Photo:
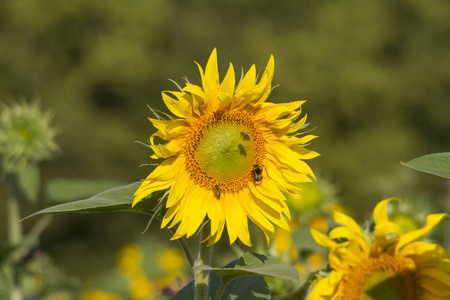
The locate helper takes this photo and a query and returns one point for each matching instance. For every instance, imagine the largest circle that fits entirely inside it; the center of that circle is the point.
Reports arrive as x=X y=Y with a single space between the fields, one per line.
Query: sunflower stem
x=201 y=278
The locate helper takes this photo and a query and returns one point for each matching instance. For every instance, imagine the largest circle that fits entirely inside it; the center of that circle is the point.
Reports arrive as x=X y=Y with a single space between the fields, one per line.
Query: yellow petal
x=254 y=213
x=248 y=82
x=265 y=82
x=171 y=128
x=144 y=191
x=358 y=244
x=288 y=158
x=228 y=82
x=346 y=221
x=215 y=215
x=178 y=188
x=216 y=237
x=234 y=213
x=168 y=216
x=179 y=108
x=435 y=289
x=210 y=81
x=380 y=212
x=244 y=234
x=196 y=208
x=275 y=174
x=386 y=235
x=272 y=111
x=326 y=287
x=432 y=220
x=322 y=239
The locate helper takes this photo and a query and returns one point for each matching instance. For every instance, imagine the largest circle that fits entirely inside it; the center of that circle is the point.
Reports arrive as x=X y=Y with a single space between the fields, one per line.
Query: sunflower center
x=226 y=151
x=385 y=277
x=222 y=150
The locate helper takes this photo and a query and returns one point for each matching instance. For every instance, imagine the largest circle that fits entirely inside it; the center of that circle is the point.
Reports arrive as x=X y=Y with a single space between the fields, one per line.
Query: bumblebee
x=217 y=192
x=257 y=174
x=244 y=136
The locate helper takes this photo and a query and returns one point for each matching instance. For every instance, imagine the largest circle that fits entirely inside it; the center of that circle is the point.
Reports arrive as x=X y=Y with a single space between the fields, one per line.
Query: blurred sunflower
x=389 y=265
x=229 y=155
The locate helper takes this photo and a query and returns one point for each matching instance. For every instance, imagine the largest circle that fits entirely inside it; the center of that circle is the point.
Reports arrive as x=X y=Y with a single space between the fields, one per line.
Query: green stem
x=13 y=212
x=201 y=278
x=14 y=227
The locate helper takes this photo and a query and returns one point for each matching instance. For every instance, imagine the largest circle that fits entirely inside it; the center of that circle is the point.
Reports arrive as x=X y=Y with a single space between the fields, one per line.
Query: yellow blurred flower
x=172 y=260
x=129 y=259
x=142 y=288
x=390 y=265
x=315 y=261
x=318 y=223
x=229 y=155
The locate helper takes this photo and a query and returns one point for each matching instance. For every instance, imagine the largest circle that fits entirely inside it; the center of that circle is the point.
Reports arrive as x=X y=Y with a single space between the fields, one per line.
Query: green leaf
x=436 y=164
x=250 y=264
x=62 y=190
x=117 y=199
x=250 y=287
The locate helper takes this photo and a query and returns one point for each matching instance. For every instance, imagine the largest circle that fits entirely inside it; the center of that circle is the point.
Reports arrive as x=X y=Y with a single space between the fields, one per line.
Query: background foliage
x=376 y=76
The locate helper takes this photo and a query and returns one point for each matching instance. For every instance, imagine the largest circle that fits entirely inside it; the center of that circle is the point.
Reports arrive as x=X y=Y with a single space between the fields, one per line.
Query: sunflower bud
x=25 y=135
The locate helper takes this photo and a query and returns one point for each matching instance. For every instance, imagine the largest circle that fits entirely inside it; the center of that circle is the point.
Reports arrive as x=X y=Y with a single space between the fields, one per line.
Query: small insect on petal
x=244 y=136
x=257 y=174
x=217 y=192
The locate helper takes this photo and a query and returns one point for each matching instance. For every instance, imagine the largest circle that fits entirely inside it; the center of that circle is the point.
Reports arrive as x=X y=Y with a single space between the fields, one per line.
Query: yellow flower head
x=229 y=155
x=391 y=265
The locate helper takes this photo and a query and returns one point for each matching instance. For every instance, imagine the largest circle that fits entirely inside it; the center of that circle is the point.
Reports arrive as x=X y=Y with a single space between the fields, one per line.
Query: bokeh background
x=375 y=74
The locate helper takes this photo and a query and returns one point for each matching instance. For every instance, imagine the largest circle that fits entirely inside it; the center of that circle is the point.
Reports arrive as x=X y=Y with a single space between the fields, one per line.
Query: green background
x=375 y=74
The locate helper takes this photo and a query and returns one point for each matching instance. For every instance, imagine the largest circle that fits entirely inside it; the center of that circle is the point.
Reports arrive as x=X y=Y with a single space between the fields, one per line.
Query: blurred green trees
x=376 y=76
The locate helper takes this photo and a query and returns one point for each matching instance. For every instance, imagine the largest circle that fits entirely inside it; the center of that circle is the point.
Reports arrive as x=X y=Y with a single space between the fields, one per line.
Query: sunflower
x=229 y=156
x=387 y=265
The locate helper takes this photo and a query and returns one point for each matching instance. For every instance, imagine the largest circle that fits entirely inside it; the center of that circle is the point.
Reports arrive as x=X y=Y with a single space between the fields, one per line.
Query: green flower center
x=385 y=285
x=25 y=133
x=227 y=151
